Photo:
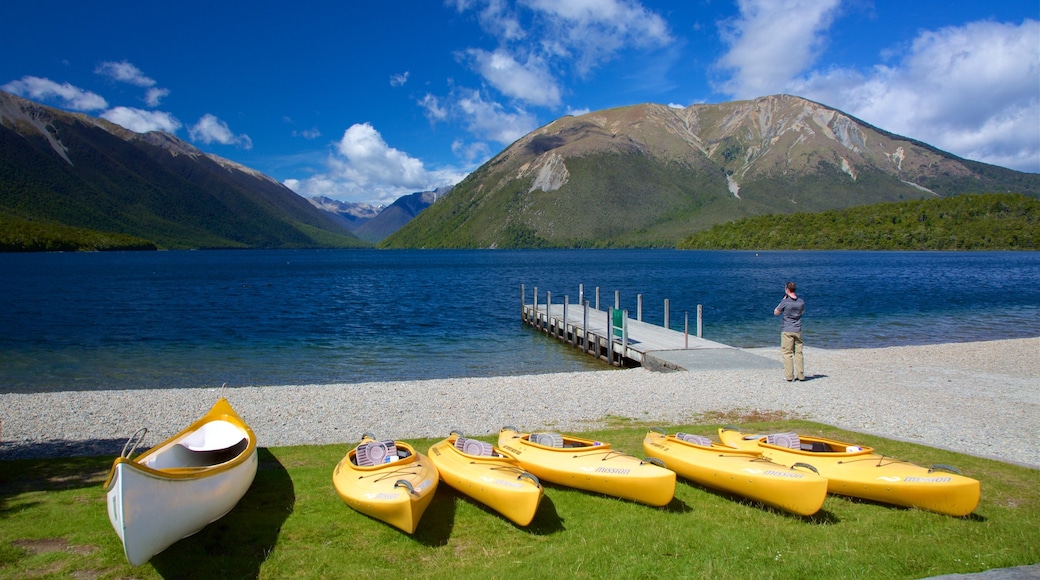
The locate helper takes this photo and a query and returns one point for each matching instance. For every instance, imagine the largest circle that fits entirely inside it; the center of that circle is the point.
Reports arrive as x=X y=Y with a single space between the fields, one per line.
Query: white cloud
x=399 y=79
x=434 y=110
x=312 y=133
x=490 y=120
x=471 y=152
x=124 y=72
x=154 y=96
x=363 y=167
x=71 y=97
x=593 y=31
x=531 y=82
x=141 y=121
x=367 y=159
x=971 y=90
x=210 y=129
x=771 y=42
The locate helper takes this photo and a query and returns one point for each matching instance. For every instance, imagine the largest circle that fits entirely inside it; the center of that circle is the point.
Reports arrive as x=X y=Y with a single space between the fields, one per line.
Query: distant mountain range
x=639 y=176
x=375 y=223
x=70 y=169
x=648 y=175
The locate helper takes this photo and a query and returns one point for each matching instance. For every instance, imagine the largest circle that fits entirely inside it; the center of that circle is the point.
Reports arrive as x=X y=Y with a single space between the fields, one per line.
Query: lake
x=75 y=321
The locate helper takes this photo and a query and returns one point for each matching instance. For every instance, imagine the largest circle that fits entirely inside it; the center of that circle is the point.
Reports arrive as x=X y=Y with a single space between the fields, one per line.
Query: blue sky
x=368 y=101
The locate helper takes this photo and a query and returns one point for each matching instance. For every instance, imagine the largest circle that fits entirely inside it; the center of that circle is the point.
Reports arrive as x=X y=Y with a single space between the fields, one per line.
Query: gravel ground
x=979 y=398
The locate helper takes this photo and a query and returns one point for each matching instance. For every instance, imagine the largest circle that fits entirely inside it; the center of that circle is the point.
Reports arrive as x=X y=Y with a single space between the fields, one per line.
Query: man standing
x=792 y=307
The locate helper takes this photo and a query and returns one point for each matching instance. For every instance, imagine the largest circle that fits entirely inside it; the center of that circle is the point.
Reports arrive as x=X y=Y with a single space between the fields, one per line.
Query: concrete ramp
x=707 y=359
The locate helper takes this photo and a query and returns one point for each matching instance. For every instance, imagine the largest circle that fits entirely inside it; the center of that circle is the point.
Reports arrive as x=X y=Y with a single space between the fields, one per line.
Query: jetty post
x=611 y=343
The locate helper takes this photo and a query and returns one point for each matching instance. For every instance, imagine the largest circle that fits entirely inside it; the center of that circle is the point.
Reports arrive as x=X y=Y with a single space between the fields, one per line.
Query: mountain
x=648 y=175
x=350 y=215
x=397 y=214
x=77 y=171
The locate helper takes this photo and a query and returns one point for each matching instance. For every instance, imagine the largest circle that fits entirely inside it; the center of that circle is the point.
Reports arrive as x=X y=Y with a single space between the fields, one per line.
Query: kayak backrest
x=789 y=440
x=474 y=447
x=547 y=439
x=695 y=439
x=375 y=453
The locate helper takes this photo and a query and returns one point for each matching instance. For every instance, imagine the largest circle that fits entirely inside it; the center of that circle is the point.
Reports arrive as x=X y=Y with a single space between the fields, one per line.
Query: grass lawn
x=291 y=523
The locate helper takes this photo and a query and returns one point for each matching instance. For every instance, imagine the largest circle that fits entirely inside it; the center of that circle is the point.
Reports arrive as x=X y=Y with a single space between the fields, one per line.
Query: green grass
x=291 y=523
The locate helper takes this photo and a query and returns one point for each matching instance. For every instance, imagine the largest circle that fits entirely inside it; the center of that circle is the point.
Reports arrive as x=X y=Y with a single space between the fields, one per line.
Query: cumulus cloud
x=970 y=90
x=124 y=72
x=771 y=42
x=141 y=121
x=530 y=81
x=210 y=129
x=363 y=167
x=398 y=79
x=70 y=97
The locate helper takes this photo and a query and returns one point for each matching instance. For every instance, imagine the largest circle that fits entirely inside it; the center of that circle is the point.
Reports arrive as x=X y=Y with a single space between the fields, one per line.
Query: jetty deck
x=639 y=343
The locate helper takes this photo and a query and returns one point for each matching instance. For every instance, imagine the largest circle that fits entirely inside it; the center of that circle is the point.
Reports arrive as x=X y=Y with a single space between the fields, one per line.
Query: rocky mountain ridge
x=647 y=175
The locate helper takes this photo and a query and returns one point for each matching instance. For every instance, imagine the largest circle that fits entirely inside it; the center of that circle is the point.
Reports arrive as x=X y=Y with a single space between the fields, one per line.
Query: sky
x=369 y=101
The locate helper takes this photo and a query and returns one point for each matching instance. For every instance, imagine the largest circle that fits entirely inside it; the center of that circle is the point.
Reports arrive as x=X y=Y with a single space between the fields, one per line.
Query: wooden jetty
x=611 y=335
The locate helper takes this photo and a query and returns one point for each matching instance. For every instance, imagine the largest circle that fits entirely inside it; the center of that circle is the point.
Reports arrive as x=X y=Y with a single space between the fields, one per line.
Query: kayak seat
x=789 y=440
x=695 y=439
x=547 y=439
x=375 y=453
x=474 y=447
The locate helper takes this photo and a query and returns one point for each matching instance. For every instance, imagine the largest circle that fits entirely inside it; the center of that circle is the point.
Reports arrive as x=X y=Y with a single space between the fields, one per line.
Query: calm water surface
x=178 y=319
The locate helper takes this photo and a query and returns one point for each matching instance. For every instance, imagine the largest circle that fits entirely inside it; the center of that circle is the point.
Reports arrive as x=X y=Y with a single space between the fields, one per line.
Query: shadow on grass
x=437 y=522
x=236 y=545
x=821 y=517
x=28 y=475
x=60 y=448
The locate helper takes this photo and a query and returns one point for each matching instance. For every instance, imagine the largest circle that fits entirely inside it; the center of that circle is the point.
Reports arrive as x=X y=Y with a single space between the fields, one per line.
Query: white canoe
x=174 y=489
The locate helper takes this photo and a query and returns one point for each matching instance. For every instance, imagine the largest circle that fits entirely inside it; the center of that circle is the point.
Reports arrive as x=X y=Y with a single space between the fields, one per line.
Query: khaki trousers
x=791 y=348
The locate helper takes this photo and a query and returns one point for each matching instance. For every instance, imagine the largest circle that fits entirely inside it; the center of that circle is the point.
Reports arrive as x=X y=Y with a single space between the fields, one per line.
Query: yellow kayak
x=858 y=471
x=387 y=480
x=589 y=465
x=796 y=489
x=488 y=475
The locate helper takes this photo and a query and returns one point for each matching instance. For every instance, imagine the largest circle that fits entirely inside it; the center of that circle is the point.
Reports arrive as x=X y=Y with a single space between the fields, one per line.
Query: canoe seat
x=789 y=440
x=695 y=439
x=547 y=439
x=474 y=447
x=178 y=456
x=375 y=453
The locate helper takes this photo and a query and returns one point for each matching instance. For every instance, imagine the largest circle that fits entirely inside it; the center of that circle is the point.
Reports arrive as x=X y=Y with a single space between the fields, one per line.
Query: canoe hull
x=153 y=501
x=864 y=474
x=497 y=482
x=744 y=473
x=379 y=491
x=593 y=466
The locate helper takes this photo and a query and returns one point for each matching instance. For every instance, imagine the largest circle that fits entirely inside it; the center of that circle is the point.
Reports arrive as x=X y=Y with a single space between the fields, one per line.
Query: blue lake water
x=185 y=319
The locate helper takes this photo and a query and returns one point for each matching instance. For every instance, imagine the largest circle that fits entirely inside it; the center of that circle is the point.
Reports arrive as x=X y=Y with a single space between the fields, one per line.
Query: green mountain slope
x=964 y=222
x=648 y=175
x=85 y=173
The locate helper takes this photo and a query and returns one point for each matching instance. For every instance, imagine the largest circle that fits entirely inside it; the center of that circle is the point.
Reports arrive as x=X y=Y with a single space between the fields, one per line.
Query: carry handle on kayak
x=806 y=465
x=128 y=449
x=405 y=484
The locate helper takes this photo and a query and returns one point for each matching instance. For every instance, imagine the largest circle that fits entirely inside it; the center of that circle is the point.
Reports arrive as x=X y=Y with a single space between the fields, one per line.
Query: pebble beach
x=980 y=398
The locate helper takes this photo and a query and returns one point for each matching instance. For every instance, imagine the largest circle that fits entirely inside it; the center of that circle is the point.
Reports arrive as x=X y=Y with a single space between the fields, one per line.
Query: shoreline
x=979 y=398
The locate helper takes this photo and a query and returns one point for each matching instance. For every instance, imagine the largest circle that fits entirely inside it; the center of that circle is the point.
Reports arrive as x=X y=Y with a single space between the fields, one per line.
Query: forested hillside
x=962 y=222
